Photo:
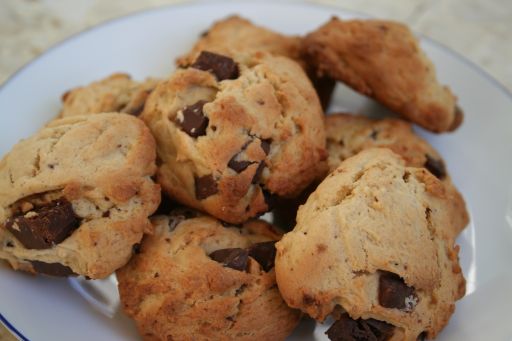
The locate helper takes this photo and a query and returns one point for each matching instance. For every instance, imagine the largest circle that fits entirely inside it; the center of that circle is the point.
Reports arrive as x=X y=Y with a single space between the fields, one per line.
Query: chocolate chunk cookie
x=235 y=35
x=348 y=134
x=383 y=60
x=76 y=196
x=116 y=93
x=234 y=133
x=370 y=248
x=198 y=279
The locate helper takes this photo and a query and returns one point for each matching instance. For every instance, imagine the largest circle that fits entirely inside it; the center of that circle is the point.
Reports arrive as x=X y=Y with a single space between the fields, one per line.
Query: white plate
x=478 y=154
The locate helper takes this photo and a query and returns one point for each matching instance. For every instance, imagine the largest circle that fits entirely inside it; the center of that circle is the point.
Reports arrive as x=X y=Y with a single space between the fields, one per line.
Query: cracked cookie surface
x=76 y=196
x=229 y=141
x=115 y=93
x=371 y=242
x=349 y=134
x=198 y=279
x=382 y=59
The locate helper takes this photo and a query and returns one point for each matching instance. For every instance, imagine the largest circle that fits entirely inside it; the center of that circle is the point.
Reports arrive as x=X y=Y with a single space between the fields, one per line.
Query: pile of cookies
x=162 y=182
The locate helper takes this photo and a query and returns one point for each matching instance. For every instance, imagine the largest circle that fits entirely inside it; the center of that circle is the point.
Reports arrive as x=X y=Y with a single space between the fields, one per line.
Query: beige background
x=478 y=29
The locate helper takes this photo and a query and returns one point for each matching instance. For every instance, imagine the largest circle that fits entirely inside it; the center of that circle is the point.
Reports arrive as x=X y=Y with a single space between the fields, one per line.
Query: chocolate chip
x=257 y=174
x=205 y=186
x=221 y=66
x=264 y=253
x=394 y=293
x=194 y=122
x=436 y=167
x=238 y=166
x=265 y=145
x=52 y=269
x=234 y=258
x=347 y=329
x=44 y=226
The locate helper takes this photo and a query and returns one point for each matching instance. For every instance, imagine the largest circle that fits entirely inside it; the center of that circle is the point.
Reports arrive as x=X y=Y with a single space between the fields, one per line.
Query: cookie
x=371 y=249
x=233 y=134
x=383 y=60
x=235 y=35
x=196 y=278
x=76 y=196
x=116 y=93
x=348 y=134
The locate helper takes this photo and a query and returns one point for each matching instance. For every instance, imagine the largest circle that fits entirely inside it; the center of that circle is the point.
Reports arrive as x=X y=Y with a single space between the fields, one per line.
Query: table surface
x=477 y=29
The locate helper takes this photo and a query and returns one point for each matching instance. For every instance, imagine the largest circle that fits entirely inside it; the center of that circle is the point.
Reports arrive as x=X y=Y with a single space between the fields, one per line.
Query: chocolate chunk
x=221 y=66
x=205 y=186
x=436 y=167
x=44 y=226
x=52 y=269
x=194 y=122
x=234 y=258
x=257 y=174
x=265 y=145
x=264 y=253
x=394 y=293
x=238 y=166
x=347 y=329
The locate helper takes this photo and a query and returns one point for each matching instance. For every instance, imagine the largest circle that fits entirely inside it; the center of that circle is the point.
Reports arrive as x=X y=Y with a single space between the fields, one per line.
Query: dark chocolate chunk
x=347 y=329
x=205 y=186
x=436 y=167
x=264 y=253
x=194 y=122
x=238 y=166
x=221 y=66
x=265 y=145
x=394 y=293
x=44 y=226
x=234 y=258
x=257 y=174
x=52 y=269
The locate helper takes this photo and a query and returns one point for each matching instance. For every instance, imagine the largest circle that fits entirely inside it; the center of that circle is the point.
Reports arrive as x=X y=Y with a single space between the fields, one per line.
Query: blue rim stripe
x=12 y=329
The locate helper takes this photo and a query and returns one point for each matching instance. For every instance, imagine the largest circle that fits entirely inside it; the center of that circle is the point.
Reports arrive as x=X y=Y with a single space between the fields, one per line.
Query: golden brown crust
x=175 y=291
x=235 y=35
x=383 y=60
x=373 y=214
x=102 y=164
x=271 y=102
x=115 y=93
x=349 y=134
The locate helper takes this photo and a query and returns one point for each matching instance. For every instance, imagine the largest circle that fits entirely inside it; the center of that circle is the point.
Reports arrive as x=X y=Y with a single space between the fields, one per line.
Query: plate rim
x=497 y=84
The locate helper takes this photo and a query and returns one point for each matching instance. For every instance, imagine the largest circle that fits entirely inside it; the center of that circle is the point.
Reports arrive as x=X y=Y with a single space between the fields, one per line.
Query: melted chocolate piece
x=264 y=253
x=265 y=145
x=194 y=122
x=44 y=226
x=234 y=258
x=257 y=174
x=52 y=269
x=393 y=292
x=221 y=66
x=205 y=186
x=347 y=329
x=436 y=167
x=238 y=166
